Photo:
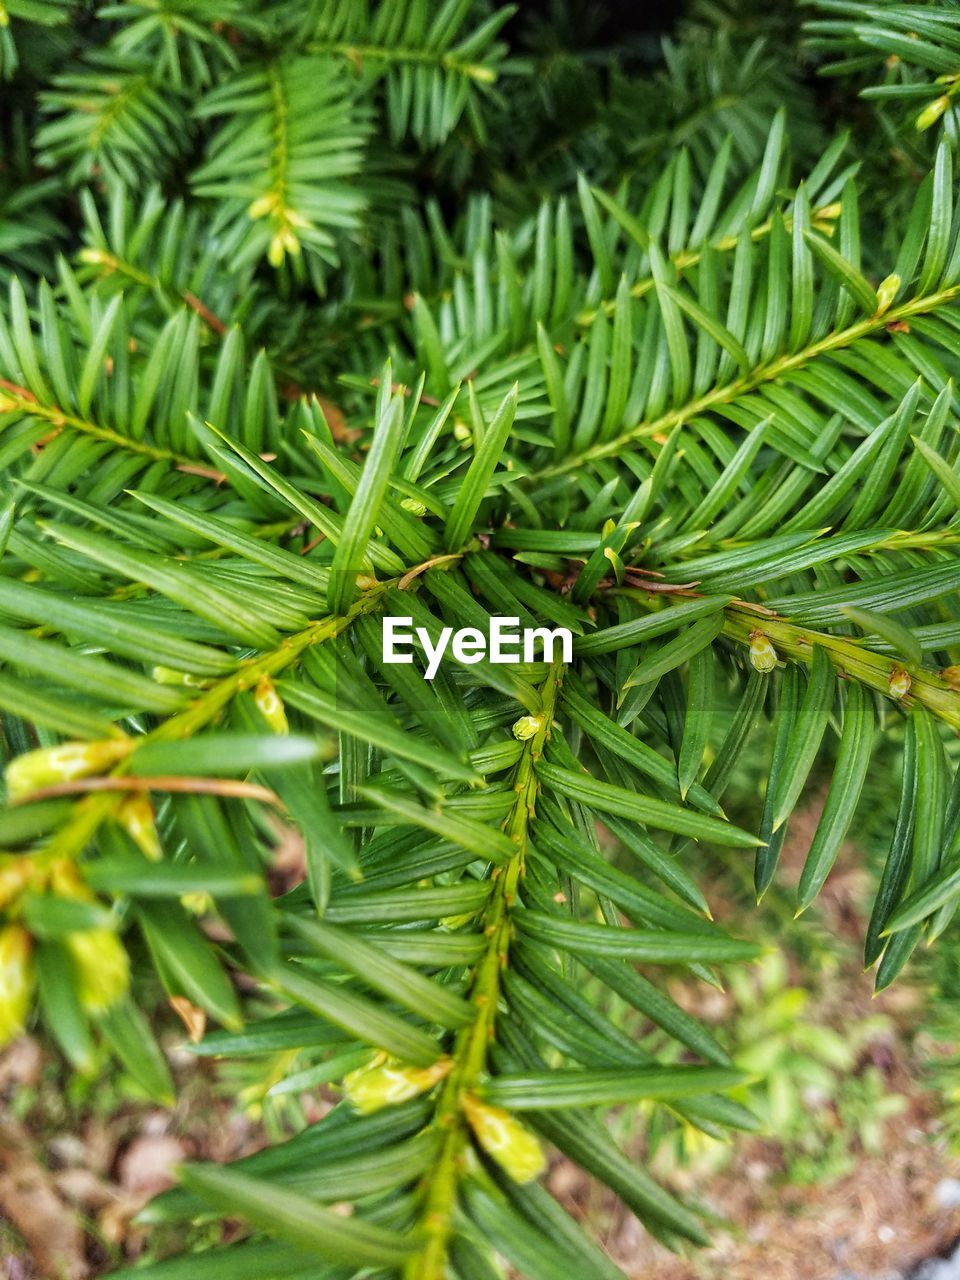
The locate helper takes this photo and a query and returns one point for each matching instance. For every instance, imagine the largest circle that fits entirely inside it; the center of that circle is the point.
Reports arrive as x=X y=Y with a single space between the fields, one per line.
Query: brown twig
x=636 y=582
x=204 y=312
x=18 y=391
x=230 y=787
x=422 y=568
x=666 y=588
x=207 y=473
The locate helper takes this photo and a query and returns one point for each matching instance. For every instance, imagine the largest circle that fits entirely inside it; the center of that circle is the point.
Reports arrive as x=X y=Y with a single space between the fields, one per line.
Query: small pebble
x=947 y=1193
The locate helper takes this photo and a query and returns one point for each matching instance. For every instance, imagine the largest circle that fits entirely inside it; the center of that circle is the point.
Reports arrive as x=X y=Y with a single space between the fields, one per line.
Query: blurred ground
x=67 y=1195
x=76 y=1164
x=878 y=1223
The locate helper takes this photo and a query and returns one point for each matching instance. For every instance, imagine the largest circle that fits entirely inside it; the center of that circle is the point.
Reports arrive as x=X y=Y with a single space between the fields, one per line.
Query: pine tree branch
x=822 y=219
x=73 y=837
x=110 y=263
x=852 y=660
x=20 y=400
x=357 y=54
x=758 y=377
x=470 y=1051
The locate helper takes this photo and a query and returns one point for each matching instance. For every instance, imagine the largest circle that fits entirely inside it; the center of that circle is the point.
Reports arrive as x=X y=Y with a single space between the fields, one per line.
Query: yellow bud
x=365 y=582
x=95 y=257
x=290 y=242
x=65 y=880
x=270 y=705
x=16 y=872
x=952 y=676
x=477 y=71
x=50 y=765
x=462 y=432
x=16 y=980
x=262 y=206
x=886 y=292
x=515 y=1149
x=384 y=1082
x=932 y=112
x=414 y=506
x=763 y=656
x=276 y=252
x=135 y=815
x=899 y=682
x=103 y=971
x=527 y=727
x=198 y=902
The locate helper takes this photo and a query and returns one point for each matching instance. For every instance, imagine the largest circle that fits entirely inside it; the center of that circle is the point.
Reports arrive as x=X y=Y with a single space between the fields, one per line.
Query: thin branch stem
x=852 y=660
x=19 y=398
x=71 y=839
x=355 y=54
x=470 y=1050
x=232 y=787
x=757 y=377
x=111 y=262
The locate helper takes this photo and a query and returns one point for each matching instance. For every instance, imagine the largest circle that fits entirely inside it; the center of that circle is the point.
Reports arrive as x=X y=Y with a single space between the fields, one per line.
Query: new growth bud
x=135 y=815
x=16 y=980
x=263 y=205
x=170 y=675
x=385 y=1082
x=270 y=705
x=282 y=243
x=198 y=902
x=932 y=112
x=763 y=656
x=102 y=968
x=95 y=257
x=100 y=962
x=886 y=292
x=16 y=873
x=527 y=727
x=899 y=683
x=515 y=1149
x=50 y=765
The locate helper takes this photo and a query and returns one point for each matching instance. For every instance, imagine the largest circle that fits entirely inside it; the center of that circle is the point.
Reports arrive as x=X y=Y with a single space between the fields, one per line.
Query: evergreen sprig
x=701 y=413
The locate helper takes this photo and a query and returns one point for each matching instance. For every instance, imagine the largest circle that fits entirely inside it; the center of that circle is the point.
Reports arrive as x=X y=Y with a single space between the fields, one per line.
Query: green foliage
x=28 y=20
x=306 y=362
x=810 y=1088
x=915 y=48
